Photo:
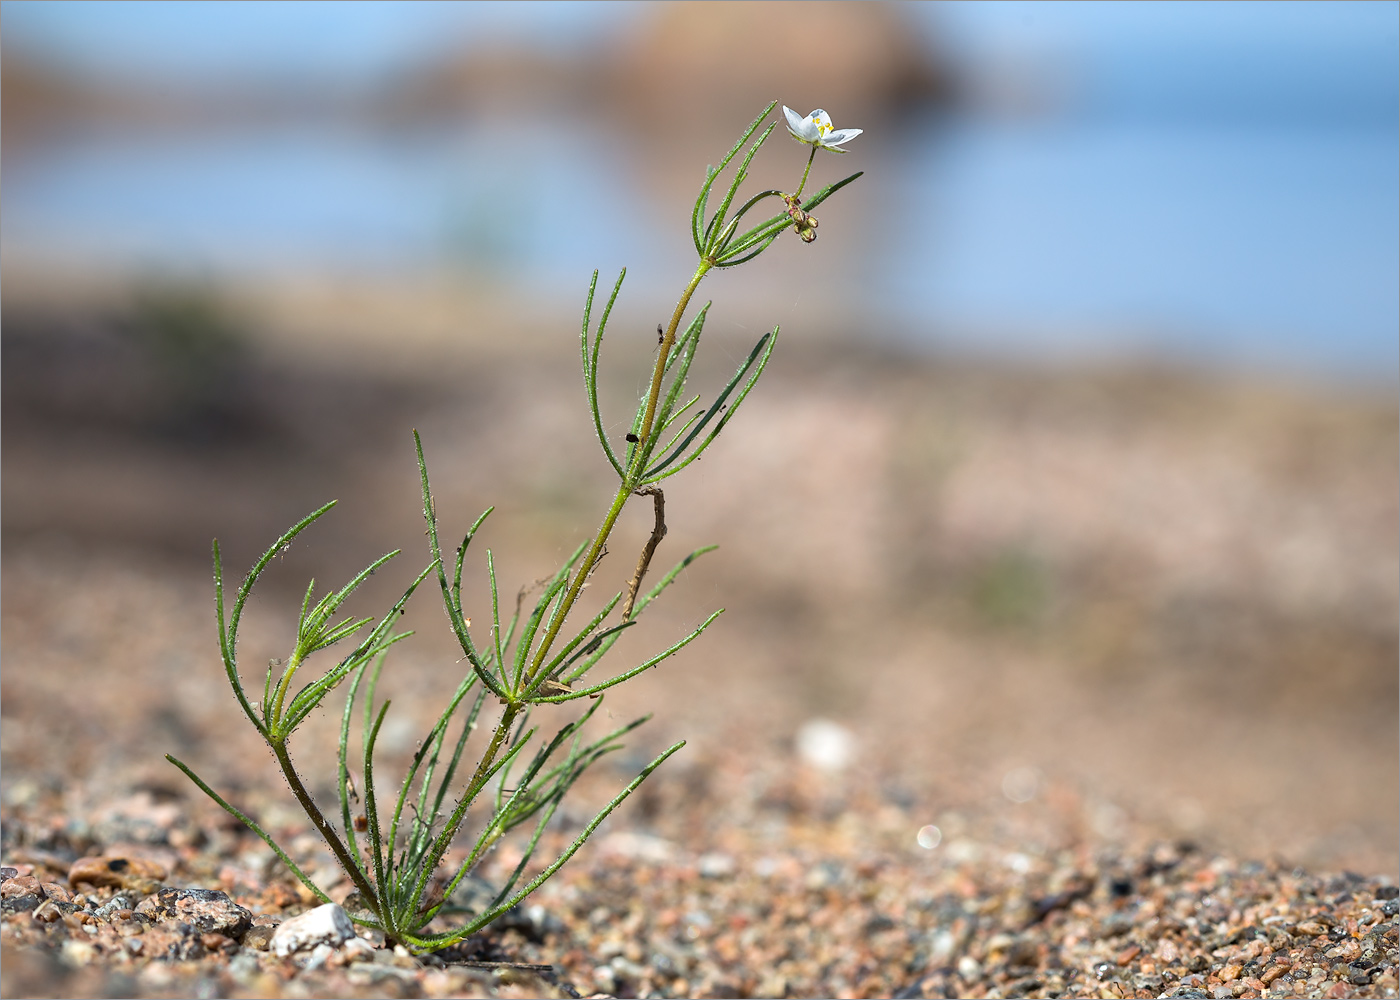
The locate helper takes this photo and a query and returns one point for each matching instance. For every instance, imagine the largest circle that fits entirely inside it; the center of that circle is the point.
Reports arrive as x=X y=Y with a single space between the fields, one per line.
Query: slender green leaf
x=449 y=831
x=436 y=941
x=590 y=364
x=715 y=241
x=226 y=650
x=277 y=547
x=758 y=352
x=768 y=230
x=376 y=833
x=454 y=610
x=252 y=825
x=728 y=415
x=697 y=216
x=598 y=640
x=552 y=667
x=628 y=675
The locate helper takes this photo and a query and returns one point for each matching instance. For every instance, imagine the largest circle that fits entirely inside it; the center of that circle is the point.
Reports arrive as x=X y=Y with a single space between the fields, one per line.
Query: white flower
x=816 y=130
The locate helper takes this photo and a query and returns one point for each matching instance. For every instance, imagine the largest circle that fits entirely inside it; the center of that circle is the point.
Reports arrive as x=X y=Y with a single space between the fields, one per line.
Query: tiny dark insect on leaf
x=632 y=438
x=660 y=335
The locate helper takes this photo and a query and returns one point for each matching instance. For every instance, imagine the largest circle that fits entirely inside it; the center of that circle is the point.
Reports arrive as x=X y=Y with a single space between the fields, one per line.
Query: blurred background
x=1077 y=461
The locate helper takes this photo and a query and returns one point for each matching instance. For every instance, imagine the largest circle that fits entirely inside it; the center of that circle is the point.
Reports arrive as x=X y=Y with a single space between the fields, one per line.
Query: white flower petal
x=839 y=135
x=821 y=120
x=800 y=127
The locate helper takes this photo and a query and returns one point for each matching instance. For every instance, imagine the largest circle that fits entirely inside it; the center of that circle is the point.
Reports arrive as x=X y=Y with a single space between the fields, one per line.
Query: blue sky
x=220 y=37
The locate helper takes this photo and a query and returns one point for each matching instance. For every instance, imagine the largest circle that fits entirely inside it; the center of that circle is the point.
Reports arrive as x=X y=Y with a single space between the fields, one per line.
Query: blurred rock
x=709 y=65
x=120 y=873
x=713 y=64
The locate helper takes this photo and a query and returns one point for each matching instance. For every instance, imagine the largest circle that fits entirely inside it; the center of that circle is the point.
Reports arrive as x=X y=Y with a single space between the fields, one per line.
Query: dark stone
x=1390 y=907
x=1388 y=892
x=1247 y=933
x=1079 y=889
x=879 y=922
x=20 y=904
x=1022 y=987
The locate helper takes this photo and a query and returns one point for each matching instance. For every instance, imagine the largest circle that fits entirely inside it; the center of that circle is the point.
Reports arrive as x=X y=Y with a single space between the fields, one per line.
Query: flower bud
x=803 y=225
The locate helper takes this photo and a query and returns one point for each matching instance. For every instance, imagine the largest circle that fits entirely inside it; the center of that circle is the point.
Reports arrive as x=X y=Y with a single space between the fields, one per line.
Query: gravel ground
x=1089 y=689
x=786 y=888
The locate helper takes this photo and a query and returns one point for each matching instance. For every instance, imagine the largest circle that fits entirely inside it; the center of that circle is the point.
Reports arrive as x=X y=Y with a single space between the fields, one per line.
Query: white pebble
x=715 y=865
x=827 y=745
x=327 y=924
x=318 y=957
x=357 y=949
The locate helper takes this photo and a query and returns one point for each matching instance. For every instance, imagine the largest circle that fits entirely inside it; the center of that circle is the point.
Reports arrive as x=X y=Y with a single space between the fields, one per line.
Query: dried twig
x=657 y=533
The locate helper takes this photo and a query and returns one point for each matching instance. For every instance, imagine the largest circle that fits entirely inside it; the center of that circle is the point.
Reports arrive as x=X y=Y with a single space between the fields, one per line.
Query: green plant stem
x=810 y=157
x=489 y=757
x=292 y=664
x=630 y=480
x=667 y=342
x=323 y=826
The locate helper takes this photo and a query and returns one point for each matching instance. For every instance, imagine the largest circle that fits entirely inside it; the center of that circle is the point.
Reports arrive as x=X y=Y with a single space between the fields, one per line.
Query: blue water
x=1270 y=247
x=1275 y=246
x=297 y=196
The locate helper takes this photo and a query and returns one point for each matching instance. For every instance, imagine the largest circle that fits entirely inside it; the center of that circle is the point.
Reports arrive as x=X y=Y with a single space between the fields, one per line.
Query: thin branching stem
x=323 y=826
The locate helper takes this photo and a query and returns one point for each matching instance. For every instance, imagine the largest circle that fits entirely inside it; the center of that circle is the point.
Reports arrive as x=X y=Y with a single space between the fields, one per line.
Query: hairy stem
x=323 y=826
x=489 y=757
x=665 y=352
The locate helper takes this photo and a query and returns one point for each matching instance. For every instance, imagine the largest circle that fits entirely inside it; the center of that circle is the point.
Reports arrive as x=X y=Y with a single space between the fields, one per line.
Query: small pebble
x=328 y=924
x=118 y=873
x=206 y=910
